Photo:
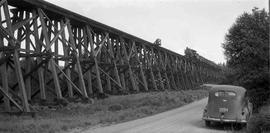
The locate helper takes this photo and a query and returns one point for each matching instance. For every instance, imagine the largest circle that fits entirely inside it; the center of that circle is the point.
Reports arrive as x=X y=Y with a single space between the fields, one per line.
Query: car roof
x=237 y=89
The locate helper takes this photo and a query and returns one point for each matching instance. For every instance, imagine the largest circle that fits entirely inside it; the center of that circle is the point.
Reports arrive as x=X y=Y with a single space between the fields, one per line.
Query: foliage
x=247 y=52
x=192 y=54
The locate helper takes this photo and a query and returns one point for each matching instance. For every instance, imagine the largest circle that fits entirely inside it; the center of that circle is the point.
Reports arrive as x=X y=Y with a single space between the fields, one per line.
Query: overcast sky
x=198 y=24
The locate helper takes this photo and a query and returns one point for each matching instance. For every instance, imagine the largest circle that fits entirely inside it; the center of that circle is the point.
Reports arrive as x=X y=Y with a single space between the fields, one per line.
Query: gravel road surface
x=186 y=119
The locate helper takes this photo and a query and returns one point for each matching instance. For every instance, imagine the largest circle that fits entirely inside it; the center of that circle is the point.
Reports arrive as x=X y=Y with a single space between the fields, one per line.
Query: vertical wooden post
x=49 y=28
x=178 y=82
x=177 y=74
x=28 y=59
x=107 y=60
x=184 y=73
x=79 y=37
x=145 y=85
x=96 y=68
x=4 y=74
x=199 y=73
x=173 y=80
x=70 y=89
x=187 y=74
x=161 y=79
x=109 y=87
x=182 y=76
x=16 y=60
x=119 y=57
x=165 y=72
x=66 y=54
x=115 y=70
x=190 y=75
x=122 y=77
x=56 y=43
x=143 y=78
x=89 y=72
x=193 y=74
x=198 y=68
x=175 y=69
x=131 y=74
x=19 y=16
x=159 y=71
x=39 y=59
x=89 y=81
x=116 y=73
x=150 y=68
x=78 y=64
x=196 y=76
x=51 y=62
x=171 y=73
x=98 y=76
x=100 y=88
x=167 y=80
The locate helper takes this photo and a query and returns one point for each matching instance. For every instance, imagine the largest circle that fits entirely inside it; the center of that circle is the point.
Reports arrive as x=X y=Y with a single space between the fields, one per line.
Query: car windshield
x=225 y=94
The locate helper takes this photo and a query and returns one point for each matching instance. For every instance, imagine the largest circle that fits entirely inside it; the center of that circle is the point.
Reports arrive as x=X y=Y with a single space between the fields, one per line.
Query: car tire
x=243 y=125
x=208 y=123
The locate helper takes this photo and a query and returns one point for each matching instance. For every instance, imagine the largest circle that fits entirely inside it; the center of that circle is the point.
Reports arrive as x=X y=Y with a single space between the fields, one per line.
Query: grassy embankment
x=259 y=122
x=114 y=109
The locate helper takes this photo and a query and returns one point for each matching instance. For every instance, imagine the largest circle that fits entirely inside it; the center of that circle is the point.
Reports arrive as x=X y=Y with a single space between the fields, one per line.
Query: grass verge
x=114 y=109
x=260 y=122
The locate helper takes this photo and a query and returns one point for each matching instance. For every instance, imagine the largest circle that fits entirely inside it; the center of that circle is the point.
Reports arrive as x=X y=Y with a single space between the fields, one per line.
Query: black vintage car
x=227 y=104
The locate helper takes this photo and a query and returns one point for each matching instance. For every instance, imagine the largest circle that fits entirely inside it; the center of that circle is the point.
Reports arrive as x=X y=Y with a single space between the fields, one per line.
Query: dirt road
x=186 y=119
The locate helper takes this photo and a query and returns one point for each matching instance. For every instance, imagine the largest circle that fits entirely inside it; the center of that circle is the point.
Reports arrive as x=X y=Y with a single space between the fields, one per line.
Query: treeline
x=247 y=52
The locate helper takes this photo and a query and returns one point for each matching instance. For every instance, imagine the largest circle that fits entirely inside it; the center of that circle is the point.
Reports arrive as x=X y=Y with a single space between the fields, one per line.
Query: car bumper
x=223 y=120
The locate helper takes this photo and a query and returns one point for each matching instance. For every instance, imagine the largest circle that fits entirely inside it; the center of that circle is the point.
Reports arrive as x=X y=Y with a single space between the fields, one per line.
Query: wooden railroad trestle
x=48 y=52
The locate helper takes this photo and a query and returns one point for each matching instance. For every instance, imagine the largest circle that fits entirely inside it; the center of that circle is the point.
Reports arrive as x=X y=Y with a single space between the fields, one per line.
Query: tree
x=247 y=52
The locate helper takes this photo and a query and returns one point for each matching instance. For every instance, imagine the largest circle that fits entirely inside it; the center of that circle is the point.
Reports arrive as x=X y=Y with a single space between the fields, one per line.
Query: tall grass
x=260 y=122
x=114 y=109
